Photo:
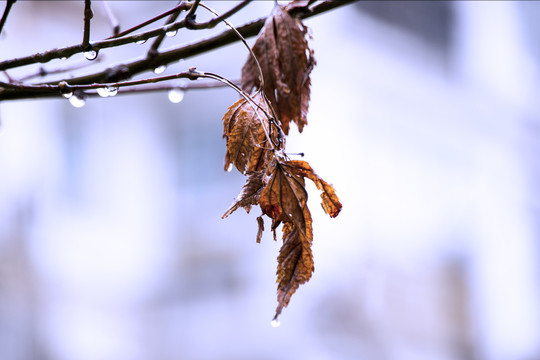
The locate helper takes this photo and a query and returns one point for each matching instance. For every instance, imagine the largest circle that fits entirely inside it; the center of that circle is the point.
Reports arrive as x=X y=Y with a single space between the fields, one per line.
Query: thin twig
x=158 y=40
x=7 y=9
x=213 y=22
x=115 y=24
x=63 y=86
x=243 y=40
x=190 y=17
x=74 y=49
x=181 y=7
x=88 y=15
x=10 y=79
x=159 y=88
x=44 y=72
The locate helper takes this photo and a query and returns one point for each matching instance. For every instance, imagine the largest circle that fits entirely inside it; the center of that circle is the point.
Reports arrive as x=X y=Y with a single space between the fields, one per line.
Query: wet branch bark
x=131 y=68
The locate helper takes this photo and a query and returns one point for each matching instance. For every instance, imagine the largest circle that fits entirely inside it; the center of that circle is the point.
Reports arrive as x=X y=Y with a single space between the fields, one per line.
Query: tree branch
x=192 y=24
x=137 y=66
x=88 y=15
x=180 y=7
x=158 y=40
x=7 y=9
x=112 y=18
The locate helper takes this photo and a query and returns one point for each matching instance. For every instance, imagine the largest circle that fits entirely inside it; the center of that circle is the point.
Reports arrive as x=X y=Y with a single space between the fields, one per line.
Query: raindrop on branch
x=77 y=100
x=90 y=54
x=112 y=90
x=160 y=69
x=140 y=42
x=229 y=169
x=67 y=94
x=176 y=95
x=102 y=92
x=107 y=91
x=171 y=33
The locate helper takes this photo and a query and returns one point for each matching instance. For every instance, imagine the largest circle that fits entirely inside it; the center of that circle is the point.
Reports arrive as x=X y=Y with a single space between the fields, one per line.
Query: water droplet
x=229 y=169
x=102 y=92
x=176 y=95
x=67 y=94
x=63 y=58
x=275 y=323
x=112 y=91
x=171 y=33
x=107 y=91
x=160 y=69
x=77 y=101
x=90 y=54
x=140 y=42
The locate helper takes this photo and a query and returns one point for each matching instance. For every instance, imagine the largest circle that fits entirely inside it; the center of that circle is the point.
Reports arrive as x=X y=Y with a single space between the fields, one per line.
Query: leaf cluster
x=277 y=79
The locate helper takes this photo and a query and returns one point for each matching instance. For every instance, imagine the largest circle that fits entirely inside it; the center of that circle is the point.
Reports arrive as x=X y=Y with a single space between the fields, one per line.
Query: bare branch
x=158 y=40
x=160 y=88
x=141 y=65
x=45 y=72
x=190 y=17
x=74 y=49
x=7 y=9
x=48 y=90
x=181 y=7
x=112 y=18
x=88 y=15
x=191 y=24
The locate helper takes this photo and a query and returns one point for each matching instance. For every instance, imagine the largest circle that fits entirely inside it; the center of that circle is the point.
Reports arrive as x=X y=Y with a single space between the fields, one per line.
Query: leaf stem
x=241 y=39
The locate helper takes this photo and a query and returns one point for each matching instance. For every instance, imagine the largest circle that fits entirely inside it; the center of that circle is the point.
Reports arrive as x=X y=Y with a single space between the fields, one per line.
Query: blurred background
x=425 y=118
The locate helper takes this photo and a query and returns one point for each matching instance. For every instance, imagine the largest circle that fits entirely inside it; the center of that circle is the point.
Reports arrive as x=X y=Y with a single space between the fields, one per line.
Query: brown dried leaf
x=286 y=62
x=295 y=260
x=244 y=129
x=249 y=195
x=284 y=197
x=260 y=223
x=330 y=202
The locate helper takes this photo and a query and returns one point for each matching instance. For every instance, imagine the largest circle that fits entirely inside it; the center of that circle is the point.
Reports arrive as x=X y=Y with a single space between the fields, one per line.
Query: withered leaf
x=249 y=195
x=295 y=260
x=286 y=62
x=260 y=223
x=330 y=202
x=245 y=127
x=284 y=197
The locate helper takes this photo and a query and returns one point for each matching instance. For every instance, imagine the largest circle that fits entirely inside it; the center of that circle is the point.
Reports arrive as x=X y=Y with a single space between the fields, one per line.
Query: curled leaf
x=249 y=195
x=295 y=260
x=286 y=62
x=246 y=128
x=330 y=202
x=284 y=197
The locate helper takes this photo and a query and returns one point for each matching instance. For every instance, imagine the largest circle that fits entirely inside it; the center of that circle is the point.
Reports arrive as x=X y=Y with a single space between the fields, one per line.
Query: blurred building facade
x=423 y=116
